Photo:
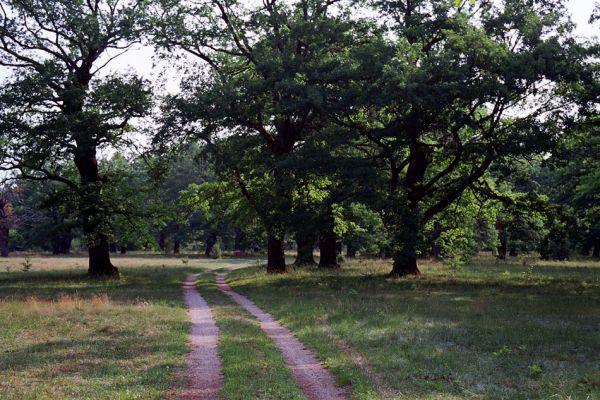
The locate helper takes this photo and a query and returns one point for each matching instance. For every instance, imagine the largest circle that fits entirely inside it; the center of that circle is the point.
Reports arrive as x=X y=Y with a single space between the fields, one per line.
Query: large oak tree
x=55 y=107
x=471 y=83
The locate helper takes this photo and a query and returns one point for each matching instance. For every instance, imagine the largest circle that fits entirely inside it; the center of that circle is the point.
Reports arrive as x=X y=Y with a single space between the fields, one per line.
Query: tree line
x=398 y=128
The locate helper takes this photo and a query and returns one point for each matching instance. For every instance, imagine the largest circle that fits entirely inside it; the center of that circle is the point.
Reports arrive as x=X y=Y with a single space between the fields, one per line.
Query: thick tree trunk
x=96 y=226
x=3 y=241
x=405 y=264
x=211 y=240
x=123 y=249
x=502 y=245
x=408 y=229
x=99 y=259
x=305 y=244
x=275 y=255
x=328 y=244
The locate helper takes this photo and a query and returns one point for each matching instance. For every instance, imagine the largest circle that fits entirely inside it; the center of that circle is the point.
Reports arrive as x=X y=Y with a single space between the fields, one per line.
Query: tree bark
x=211 y=240
x=305 y=244
x=406 y=242
x=405 y=263
x=61 y=242
x=96 y=226
x=176 y=246
x=3 y=241
x=161 y=241
x=239 y=239
x=328 y=244
x=502 y=245
x=434 y=235
x=596 y=249
x=350 y=251
x=275 y=255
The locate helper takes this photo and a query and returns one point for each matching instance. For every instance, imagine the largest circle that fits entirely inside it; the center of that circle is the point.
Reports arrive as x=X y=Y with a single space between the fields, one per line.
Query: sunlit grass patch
x=487 y=330
x=64 y=335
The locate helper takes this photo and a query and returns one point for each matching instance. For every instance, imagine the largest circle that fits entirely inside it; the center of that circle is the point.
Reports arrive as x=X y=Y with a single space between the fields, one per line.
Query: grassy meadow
x=491 y=330
x=66 y=336
x=521 y=329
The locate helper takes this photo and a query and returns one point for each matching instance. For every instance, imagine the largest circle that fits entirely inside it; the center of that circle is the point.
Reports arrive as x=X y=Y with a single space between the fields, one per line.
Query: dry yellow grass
x=79 y=262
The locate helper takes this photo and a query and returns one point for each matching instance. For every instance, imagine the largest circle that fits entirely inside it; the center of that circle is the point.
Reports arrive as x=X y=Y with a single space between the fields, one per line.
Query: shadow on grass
x=474 y=333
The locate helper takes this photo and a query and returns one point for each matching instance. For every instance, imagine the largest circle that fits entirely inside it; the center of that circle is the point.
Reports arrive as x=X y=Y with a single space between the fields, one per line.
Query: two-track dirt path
x=315 y=382
x=204 y=365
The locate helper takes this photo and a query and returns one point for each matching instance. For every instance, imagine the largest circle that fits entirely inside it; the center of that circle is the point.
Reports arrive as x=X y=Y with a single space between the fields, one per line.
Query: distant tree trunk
x=123 y=249
x=328 y=243
x=596 y=252
x=513 y=252
x=502 y=246
x=176 y=246
x=3 y=240
x=239 y=239
x=211 y=240
x=350 y=251
x=113 y=247
x=305 y=244
x=436 y=232
x=161 y=241
x=275 y=254
x=61 y=242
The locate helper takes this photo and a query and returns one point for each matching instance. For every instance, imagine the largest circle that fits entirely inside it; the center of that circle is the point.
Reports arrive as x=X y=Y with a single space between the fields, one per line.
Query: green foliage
x=216 y=252
x=365 y=230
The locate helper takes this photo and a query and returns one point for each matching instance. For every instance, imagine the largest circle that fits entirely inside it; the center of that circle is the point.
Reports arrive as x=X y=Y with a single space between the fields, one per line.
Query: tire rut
x=205 y=380
x=315 y=382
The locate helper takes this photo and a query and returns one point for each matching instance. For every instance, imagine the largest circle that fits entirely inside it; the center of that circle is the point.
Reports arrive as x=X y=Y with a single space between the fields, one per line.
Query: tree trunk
x=596 y=250
x=513 y=252
x=436 y=232
x=275 y=255
x=61 y=242
x=305 y=244
x=113 y=247
x=96 y=226
x=502 y=245
x=123 y=249
x=239 y=240
x=405 y=264
x=211 y=240
x=161 y=241
x=350 y=251
x=328 y=244
x=406 y=241
x=3 y=241
x=176 y=246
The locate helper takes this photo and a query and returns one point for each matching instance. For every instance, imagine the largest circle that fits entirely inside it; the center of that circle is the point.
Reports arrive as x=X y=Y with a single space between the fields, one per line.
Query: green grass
x=252 y=366
x=487 y=331
x=66 y=336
